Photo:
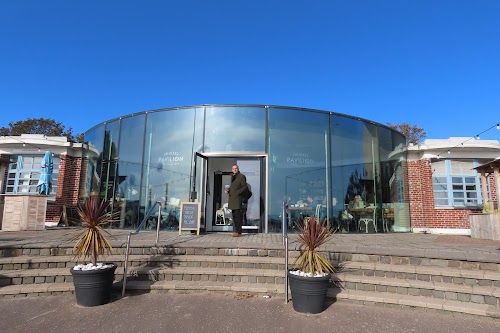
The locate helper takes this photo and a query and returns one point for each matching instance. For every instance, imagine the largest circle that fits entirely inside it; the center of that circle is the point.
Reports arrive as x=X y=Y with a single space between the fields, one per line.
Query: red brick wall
x=493 y=189
x=422 y=211
x=67 y=187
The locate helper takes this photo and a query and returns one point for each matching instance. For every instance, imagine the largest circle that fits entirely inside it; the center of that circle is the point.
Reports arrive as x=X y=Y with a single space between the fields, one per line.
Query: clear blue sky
x=434 y=63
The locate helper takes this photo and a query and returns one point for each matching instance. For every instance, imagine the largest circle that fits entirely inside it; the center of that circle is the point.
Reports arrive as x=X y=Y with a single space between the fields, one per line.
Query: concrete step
x=456 y=260
x=226 y=274
x=422 y=273
x=142 y=286
x=363 y=296
x=214 y=286
x=415 y=301
x=34 y=262
x=149 y=249
x=430 y=289
x=33 y=290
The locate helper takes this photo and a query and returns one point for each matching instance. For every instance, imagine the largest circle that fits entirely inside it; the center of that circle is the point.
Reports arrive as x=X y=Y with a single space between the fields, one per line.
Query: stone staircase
x=453 y=285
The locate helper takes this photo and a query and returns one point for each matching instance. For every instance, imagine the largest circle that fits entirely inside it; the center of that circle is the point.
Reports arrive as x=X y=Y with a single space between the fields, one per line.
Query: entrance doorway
x=212 y=174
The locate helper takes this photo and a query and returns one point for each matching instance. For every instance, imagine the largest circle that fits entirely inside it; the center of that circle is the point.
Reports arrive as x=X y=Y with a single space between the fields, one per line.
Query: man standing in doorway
x=236 y=190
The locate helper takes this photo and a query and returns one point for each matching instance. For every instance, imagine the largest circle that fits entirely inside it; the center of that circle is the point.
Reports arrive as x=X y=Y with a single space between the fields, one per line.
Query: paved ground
x=222 y=313
x=422 y=245
x=229 y=313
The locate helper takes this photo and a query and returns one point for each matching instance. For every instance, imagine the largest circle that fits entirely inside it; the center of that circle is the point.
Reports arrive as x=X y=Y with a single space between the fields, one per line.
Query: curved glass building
x=316 y=162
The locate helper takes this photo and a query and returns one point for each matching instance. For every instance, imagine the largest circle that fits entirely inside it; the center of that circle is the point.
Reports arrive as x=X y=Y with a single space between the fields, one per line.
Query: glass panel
x=92 y=172
x=440 y=180
x=462 y=168
x=440 y=195
x=441 y=202
x=458 y=194
x=251 y=169
x=440 y=187
x=439 y=168
x=129 y=170
x=235 y=129
x=168 y=160
x=470 y=180
x=109 y=155
x=470 y=187
x=297 y=162
x=457 y=187
x=457 y=179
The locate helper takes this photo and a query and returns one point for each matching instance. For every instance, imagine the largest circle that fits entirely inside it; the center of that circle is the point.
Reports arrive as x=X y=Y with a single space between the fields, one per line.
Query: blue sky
x=431 y=63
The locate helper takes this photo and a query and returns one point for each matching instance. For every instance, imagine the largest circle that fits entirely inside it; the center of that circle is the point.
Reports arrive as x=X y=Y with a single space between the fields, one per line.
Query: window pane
x=471 y=195
x=168 y=160
x=235 y=129
x=441 y=202
x=440 y=180
x=457 y=187
x=458 y=194
x=297 y=156
x=440 y=195
x=440 y=187
x=470 y=187
x=459 y=202
x=439 y=168
x=456 y=179
x=462 y=168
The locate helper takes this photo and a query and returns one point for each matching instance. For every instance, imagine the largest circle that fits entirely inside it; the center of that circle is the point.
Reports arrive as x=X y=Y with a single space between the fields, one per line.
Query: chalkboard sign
x=190 y=217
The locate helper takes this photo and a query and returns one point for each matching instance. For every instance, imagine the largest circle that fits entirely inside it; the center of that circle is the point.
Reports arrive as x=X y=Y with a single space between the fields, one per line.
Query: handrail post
x=285 y=242
x=125 y=268
x=158 y=224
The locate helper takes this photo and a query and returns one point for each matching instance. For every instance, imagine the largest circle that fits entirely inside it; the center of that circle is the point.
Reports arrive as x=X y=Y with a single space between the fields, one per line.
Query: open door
x=200 y=183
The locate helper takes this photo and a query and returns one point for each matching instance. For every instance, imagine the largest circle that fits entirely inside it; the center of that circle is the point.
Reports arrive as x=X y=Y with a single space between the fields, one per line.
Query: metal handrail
x=285 y=242
x=125 y=269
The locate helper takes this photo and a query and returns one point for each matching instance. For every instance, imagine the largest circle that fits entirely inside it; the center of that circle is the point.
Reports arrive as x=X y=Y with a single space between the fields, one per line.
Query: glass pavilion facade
x=312 y=162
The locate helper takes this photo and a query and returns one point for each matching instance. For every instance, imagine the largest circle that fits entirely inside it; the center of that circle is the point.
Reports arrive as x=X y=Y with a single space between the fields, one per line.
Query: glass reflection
x=297 y=164
x=346 y=171
x=128 y=194
x=235 y=129
x=167 y=163
x=91 y=171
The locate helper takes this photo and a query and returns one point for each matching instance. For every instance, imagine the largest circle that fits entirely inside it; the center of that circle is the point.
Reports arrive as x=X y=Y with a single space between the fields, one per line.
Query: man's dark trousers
x=237 y=220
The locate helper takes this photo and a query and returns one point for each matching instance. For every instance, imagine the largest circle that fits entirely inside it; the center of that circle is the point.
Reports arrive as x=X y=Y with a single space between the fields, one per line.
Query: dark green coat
x=237 y=188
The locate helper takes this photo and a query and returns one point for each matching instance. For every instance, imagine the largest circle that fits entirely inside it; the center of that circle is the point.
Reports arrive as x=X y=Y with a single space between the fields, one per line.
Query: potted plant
x=93 y=281
x=312 y=270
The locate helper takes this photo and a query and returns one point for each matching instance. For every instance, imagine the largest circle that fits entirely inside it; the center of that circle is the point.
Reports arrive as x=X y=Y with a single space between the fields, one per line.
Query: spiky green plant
x=313 y=234
x=92 y=242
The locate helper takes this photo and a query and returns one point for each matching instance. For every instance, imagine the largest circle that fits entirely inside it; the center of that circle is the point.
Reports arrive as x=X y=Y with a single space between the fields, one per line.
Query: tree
x=413 y=133
x=46 y=126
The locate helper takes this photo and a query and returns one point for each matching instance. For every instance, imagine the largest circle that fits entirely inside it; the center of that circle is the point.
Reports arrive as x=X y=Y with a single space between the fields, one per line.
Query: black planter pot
x=308 y=293
x=93 y=287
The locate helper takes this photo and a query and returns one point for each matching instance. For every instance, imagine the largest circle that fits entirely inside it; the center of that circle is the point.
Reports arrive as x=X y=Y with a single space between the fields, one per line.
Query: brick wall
x=493 y=189
x=422 y=211
x=67 y=188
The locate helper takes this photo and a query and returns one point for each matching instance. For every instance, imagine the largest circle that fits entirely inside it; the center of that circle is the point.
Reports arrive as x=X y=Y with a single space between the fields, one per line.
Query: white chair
x=220 y=219
x=227 y=214
x=367 y=220
x=387 y=215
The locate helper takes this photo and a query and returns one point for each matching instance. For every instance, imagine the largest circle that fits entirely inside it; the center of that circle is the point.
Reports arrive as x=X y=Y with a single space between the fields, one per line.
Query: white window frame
x=450 y=192
x=24 y=172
